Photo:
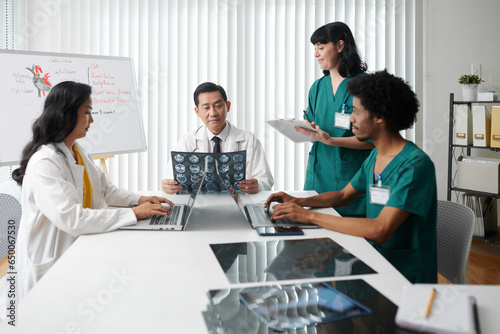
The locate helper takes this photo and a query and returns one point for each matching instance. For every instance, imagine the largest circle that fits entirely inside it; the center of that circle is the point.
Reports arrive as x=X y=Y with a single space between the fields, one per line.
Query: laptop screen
x=232 y=191
x=196 y=190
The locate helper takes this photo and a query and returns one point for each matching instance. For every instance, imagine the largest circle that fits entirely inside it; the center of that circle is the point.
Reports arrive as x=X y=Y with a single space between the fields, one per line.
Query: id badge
x=379 y=194
x=342 y=120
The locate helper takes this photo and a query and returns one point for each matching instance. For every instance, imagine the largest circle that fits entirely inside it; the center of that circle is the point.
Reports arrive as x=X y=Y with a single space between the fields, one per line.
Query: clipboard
x=287 y=127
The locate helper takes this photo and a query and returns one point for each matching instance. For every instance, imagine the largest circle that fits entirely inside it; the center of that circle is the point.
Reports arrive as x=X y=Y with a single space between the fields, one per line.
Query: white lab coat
x=53 y=215
x=237 y=140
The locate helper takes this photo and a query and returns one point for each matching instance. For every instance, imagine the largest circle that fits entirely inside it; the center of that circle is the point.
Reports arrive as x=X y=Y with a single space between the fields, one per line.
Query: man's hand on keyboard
x=280 y=197
x=291 y=211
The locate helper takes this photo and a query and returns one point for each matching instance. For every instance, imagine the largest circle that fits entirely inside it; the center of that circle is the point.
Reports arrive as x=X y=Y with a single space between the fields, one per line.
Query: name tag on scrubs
x=342 y=120
x=379 y=194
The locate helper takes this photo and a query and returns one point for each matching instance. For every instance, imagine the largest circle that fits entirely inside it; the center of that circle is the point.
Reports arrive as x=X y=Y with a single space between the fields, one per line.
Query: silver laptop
x=256 y=214
x=177 y=220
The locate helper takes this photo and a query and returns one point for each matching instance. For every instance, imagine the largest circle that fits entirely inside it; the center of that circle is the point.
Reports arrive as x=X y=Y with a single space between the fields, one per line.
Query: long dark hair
x=58 y=119
x=350 y=60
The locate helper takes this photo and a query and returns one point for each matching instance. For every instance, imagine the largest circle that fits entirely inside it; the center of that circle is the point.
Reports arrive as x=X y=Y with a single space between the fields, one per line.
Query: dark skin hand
x=288 y=208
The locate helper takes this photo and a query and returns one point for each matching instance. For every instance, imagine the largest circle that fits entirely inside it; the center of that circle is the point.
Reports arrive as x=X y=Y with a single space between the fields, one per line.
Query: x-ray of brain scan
x=189 y=167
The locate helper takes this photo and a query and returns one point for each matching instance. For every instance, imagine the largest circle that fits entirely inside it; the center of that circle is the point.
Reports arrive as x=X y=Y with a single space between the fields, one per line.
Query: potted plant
x=469 y=84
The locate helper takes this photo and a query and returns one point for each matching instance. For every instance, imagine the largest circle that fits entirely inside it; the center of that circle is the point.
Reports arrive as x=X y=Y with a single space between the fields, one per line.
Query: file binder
x=495 y=126
x=462 y=129
x=481 y=126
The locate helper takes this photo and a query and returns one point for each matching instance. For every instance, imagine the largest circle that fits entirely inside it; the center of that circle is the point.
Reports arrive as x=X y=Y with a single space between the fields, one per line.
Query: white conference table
x=157 y=281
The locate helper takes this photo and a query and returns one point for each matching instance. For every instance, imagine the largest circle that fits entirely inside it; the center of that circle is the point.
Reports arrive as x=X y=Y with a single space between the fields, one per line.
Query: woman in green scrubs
x=336 y=154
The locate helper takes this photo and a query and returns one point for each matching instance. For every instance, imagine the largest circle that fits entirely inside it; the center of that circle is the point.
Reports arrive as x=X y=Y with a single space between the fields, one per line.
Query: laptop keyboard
x=167 y=220
x=264 y=215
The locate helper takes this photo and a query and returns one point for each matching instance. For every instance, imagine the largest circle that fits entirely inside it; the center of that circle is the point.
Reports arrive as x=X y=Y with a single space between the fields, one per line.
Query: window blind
x=12 y=36
x=259 y=51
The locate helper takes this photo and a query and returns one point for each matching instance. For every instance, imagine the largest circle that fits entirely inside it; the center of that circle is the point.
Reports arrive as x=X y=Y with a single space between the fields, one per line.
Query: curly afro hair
x=386 y=96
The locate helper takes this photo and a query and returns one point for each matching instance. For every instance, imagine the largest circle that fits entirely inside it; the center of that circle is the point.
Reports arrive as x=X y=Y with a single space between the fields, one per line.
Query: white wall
x=457 y=33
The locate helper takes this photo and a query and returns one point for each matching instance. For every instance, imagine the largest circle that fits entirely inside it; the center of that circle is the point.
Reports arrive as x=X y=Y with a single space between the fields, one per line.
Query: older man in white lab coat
x=212 y=107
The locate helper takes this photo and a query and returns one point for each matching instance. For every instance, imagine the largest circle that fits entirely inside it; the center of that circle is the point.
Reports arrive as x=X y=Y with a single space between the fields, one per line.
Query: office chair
x=10 y=215
x=455 y=223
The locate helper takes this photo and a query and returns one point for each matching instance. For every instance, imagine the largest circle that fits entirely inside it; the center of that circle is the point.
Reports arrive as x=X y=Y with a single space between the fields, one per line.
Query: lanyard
x=342 y=120
x=379 y=194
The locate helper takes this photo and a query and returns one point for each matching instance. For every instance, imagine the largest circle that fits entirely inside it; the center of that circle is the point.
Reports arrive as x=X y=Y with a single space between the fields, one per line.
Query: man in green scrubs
x=398 y=178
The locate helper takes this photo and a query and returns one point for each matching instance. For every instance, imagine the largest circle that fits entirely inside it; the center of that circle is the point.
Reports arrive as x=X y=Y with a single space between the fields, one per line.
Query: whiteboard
x=26 y=78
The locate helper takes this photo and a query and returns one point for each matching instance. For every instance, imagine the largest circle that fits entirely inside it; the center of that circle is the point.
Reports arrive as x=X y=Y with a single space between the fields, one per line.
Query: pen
x=305 y=114
x=431 y=300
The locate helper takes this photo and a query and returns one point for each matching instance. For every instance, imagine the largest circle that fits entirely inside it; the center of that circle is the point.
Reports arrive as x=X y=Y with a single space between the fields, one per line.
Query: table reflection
x=275 y=260
x=227 y=314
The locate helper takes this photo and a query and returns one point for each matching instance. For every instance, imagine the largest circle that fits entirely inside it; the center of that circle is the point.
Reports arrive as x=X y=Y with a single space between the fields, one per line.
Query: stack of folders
x=448 y=311
x=474 y=126
x=485 y=214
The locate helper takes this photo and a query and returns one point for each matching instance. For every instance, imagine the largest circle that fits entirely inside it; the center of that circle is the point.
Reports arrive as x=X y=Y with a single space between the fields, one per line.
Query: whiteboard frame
x=144 y=147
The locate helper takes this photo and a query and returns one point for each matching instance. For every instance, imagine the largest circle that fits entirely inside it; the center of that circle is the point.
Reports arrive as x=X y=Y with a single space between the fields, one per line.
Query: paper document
x=287 y=127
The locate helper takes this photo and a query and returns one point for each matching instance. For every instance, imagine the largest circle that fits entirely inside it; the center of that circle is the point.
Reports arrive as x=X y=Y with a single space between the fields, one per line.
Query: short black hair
x=208 y=87
x=387 y=96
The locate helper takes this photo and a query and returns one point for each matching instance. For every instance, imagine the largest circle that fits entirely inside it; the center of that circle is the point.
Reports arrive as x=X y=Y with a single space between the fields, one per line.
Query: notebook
x=256 y=214
x=177 y=220
x=452 y=311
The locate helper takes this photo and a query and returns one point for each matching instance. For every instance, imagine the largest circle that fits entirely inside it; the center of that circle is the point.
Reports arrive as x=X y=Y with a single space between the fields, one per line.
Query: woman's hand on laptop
x=151 y=205
x=155 y=200
x=170 y=186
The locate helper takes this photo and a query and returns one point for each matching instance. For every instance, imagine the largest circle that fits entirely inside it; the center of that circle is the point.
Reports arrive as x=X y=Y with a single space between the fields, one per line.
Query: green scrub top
x=412 y=180
x=330 y=168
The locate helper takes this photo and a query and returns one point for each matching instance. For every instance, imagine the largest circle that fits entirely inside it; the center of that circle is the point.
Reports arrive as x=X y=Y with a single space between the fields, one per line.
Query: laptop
x=256 y=214
x=177 y=220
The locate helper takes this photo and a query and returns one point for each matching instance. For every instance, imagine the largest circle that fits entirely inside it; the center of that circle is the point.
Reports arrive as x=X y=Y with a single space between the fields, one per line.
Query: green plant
x=469 y=79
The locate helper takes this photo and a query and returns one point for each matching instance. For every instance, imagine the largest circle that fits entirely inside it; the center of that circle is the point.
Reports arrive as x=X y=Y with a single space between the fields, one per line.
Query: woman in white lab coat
x=63 y=192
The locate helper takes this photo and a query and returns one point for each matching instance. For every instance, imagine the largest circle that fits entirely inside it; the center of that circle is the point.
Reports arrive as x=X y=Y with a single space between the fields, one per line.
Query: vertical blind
x=258 y=50
x=12 y=36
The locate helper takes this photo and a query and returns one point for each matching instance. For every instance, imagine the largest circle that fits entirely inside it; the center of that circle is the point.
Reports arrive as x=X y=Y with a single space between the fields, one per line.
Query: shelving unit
x=466 y=150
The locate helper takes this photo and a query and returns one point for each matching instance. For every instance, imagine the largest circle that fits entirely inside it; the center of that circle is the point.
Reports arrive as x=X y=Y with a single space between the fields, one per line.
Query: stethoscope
x=197 y=148
x=65 y=158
